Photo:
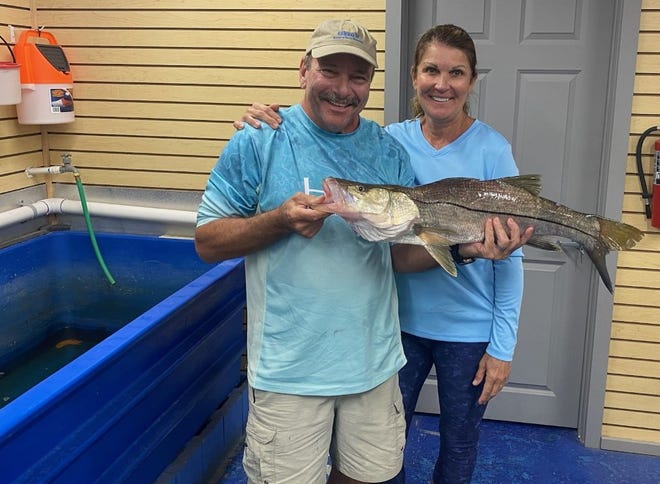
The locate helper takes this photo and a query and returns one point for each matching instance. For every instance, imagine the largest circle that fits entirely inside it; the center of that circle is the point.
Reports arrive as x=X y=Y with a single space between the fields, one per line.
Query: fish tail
x=617 y=235
x=613 y=235
x=597 y=255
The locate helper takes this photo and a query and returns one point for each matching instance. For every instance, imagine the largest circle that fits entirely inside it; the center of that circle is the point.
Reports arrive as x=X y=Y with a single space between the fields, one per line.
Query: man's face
x=336 y=90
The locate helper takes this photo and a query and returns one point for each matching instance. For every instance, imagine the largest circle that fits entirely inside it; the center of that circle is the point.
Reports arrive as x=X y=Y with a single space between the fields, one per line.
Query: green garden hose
x=88 y=222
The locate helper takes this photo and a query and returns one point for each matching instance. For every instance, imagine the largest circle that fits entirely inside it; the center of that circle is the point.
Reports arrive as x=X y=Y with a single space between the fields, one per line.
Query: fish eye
x=361 y=188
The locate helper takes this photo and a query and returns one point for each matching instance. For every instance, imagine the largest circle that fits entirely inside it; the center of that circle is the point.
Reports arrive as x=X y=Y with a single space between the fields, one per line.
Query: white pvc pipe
x=24 y=213
x=59 y=206
x=44 y=170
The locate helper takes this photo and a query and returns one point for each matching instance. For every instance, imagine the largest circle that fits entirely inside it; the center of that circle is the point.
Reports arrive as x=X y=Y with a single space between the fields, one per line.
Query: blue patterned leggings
x=460 y=415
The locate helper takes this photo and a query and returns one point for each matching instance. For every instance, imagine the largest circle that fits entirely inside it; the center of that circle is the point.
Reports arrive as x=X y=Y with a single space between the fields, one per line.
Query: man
x=324 y=344
x=323 y=339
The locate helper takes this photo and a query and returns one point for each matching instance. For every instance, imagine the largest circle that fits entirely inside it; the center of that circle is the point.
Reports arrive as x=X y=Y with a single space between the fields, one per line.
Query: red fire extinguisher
x=655 y=200
x=652 y=199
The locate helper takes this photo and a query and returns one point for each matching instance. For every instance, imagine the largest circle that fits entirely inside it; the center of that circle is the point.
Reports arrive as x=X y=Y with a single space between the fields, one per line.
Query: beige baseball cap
x=342 y=37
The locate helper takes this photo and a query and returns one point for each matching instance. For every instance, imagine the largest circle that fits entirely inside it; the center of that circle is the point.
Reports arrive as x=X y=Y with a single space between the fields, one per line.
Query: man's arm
x=230 y=237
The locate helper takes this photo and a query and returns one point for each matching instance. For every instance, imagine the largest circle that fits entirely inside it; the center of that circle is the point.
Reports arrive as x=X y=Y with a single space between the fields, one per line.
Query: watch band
x=458 y=258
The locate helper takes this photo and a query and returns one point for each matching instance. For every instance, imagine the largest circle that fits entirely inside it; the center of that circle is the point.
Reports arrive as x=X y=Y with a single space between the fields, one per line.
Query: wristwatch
x=458 y=258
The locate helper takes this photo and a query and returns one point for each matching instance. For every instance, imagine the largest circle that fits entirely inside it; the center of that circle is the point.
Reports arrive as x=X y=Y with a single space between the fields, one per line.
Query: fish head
x=353 y=200
x=376 y=212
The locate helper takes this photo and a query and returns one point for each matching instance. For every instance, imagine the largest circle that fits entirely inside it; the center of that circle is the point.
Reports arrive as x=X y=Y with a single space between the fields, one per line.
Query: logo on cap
x=343 y=37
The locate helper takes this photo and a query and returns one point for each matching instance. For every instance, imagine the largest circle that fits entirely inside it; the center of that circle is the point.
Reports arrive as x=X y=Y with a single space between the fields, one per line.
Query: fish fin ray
x=529 y=183
x=597 y=255
x=617 y=235
x=443 y=257
x=544 y=243
x=437 y=245
x=433 y=235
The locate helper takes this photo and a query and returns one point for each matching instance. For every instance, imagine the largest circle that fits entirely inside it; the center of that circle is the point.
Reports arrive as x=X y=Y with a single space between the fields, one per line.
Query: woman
x=465 y=326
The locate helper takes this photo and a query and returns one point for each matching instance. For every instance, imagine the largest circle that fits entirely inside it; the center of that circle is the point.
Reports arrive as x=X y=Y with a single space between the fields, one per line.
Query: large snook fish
x=454 y=210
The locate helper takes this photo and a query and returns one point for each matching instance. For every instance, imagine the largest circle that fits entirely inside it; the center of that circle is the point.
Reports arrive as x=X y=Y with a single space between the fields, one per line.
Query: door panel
x=543 y=72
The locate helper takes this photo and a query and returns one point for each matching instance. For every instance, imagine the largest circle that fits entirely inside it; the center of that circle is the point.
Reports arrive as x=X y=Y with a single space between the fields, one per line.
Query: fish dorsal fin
x=530 y=183
x=438 y=246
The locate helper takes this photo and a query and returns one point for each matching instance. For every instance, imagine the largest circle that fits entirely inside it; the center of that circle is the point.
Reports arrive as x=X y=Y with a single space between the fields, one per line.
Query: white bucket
x=46 y=104
x=10 y=83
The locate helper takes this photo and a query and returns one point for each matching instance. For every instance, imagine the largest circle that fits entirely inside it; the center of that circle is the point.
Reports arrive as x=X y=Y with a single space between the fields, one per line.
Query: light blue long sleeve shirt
x=483 y=303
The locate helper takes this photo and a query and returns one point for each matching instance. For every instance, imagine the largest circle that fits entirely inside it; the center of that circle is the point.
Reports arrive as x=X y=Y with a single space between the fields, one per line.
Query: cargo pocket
x=259 y=452
x=400 y=424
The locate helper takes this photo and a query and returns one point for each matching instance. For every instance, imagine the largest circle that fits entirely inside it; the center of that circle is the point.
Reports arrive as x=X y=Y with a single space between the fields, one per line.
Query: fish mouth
x=333 y=191
x=337 y=199
x=335 y=196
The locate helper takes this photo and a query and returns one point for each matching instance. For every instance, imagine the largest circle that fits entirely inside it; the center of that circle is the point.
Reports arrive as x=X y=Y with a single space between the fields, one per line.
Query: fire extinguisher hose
x=646 y=196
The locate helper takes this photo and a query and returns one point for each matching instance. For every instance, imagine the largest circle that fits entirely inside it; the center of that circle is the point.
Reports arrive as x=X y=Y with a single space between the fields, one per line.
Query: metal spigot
x=66 y=164
x=65 y=167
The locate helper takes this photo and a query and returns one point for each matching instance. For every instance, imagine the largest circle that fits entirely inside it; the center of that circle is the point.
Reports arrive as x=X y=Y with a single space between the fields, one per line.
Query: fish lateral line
x=516 y=218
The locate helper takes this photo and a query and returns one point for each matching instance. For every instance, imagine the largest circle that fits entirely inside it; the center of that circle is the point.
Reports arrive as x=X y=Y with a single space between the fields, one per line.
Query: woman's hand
x=494 y=373
x=260 y=112
x=498 y=242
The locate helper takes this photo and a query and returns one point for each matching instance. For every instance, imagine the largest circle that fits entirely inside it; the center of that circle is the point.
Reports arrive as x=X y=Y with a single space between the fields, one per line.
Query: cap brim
x=342 y=49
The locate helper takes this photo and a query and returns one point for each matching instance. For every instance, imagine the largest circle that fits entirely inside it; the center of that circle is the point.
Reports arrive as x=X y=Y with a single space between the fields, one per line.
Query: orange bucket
x=46 y=80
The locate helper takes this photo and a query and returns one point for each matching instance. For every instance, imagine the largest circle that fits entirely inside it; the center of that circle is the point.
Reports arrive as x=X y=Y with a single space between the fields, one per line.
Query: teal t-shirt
x=322 y=312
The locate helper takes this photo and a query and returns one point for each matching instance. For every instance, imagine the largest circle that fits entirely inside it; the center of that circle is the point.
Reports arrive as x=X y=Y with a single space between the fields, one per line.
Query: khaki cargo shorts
x=289 y=437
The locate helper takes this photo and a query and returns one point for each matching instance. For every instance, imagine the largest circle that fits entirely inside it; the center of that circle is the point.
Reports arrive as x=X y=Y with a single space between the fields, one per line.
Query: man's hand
x=496 y=373
x=260 y=112
x=299 y=216
x=229 y=237
x=498 y=242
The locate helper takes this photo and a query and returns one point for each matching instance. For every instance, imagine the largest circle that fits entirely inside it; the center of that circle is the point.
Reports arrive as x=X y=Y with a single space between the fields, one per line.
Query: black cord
x=8 y=47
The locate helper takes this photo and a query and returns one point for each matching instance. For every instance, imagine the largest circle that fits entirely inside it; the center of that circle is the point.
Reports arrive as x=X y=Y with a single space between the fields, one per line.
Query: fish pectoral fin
x=544 y=243
x=437 y=244
x=443 y=257
x=433 y=236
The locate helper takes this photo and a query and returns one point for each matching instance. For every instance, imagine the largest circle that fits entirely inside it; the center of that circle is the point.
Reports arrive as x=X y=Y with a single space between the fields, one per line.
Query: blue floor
x=517 y=453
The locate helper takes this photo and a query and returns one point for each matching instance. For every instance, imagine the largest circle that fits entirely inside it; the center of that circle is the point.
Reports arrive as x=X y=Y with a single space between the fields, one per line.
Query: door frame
x=623 y=57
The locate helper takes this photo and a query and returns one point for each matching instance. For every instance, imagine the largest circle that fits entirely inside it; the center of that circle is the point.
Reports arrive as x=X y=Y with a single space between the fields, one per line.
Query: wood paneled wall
x=632 y=401
x=158 y=84
x=20 y=146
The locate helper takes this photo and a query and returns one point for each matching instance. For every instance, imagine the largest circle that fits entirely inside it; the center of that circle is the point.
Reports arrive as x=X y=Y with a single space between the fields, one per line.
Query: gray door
x=543 y=82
